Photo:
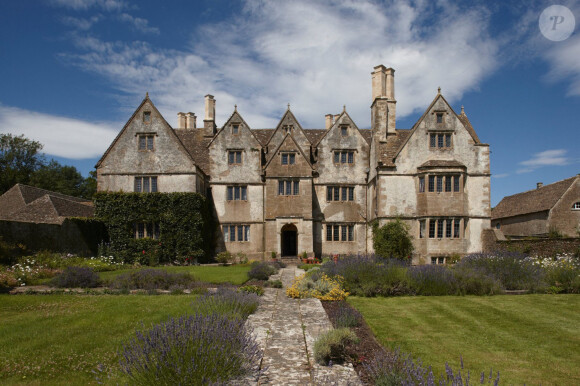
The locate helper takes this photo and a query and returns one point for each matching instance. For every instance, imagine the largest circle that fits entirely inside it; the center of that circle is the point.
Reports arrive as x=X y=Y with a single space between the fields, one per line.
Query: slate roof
x=196 y=146
x=532 y=201
x=29 y=204
x=389 y=149
x=463 y=118
x=442 y=164
x=263 y=135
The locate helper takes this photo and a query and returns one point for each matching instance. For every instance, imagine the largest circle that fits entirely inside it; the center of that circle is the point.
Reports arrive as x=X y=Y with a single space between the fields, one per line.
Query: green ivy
x=185 y=222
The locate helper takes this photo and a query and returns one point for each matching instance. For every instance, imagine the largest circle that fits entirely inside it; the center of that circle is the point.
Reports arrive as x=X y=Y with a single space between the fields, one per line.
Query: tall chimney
x=392 y=103
x=209 y=120
x=335 y=118
x=181 y=122
x=379 y=82
x=190 y=120
x=539 y=185
x=384 y=104
x=328 y=121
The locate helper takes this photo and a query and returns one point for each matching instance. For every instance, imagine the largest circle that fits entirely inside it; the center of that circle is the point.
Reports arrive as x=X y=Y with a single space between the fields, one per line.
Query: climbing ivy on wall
x=185 y=225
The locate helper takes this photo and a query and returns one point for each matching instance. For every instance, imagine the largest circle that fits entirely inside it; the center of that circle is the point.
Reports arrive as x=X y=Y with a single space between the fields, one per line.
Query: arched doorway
x=289 y=240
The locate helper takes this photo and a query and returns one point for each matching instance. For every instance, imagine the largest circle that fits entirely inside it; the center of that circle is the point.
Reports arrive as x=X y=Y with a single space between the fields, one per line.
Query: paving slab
x=286 y=329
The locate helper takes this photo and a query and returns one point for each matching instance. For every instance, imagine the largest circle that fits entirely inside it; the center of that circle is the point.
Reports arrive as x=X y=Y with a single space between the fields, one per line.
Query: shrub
x=365 y=275
x=433 y=280
x=254 y=289
x=331 y=346
x=8 y=280
x=476 y=282
x=151 y=279
x=322 y=287
x=347 y=316
x=273 y=283
x=224 y=257
x=227 y=302
x=513 y=270
x=562 y=273
x=73 y=277
x=260 y=270
x=242 y=258
x=392 y=240
x=191 y=350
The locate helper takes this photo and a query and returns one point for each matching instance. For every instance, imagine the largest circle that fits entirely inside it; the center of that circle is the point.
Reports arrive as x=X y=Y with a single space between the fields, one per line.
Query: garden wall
x=76 y=236
x=492 y=241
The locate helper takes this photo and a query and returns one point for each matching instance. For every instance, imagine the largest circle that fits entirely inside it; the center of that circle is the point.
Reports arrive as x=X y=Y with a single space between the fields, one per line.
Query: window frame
x=576 y=206
x=145 y=142
x=140 y=182
x=239 y=233
x=288 y=187
x=147 y=230
x=343 y=157
x=235 y=157
x=235 y=128
x=147 y=117
x=237 y=193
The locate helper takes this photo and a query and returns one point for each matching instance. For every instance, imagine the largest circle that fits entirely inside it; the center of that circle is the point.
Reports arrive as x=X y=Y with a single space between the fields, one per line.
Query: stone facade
x=290 y=190
x=553 y=207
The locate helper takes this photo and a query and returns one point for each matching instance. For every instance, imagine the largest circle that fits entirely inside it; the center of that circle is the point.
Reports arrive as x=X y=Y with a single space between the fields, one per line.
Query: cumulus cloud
x=61 y=137
x=315 y=55
x=555 y=157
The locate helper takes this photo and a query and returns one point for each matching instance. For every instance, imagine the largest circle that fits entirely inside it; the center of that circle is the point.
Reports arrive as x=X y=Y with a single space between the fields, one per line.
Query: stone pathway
x=286 y=330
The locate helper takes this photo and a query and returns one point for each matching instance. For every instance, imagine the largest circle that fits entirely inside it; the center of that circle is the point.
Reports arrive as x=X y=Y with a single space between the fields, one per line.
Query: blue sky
x=73 y=71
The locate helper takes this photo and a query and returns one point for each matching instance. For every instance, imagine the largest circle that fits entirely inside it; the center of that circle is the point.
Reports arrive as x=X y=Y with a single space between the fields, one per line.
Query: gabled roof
x=29 y=204
x=288 y=135
x=196 y=146
x=145 y=100
x=442 y=164
x=462 y=118
x=344 y=113
x=235 y=114
x=288 y=113
x=263 y=135
x=532 y=201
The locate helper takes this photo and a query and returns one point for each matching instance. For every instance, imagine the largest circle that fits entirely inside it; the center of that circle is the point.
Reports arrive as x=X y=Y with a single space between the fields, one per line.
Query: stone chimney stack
x=335 y=119
x=539 y=185
x=181 y=121
x=383 y=108
x=209 y=120
x=329 y=121
x=191 y=120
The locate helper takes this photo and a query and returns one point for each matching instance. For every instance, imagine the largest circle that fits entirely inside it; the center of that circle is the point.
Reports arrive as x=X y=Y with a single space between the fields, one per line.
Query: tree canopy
x=392 y=240
x=22 y=162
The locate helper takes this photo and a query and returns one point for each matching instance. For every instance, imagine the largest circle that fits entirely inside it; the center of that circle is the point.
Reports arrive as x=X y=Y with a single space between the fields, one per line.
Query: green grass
x=234 y=274
x=61 y=339
x=528 y=338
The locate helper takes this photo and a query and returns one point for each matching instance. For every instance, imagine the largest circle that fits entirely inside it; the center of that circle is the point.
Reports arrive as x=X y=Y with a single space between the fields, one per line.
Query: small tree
x=392 y=240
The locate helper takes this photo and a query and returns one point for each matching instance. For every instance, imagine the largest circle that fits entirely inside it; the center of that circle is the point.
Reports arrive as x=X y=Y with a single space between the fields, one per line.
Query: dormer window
x=147 y=116
x=576 y=206
x=235 y=129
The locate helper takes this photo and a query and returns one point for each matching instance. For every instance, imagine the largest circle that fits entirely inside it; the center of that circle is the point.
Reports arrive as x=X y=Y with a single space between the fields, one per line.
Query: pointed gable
x=162 y=152
x=294 y=164
x=288 y=124
x=235 y=139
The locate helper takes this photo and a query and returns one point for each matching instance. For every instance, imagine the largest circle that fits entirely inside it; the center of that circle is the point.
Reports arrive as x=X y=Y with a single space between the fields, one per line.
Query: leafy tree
x=19 y=158
x=63 y=179
x=392 y=240
x=22 y=162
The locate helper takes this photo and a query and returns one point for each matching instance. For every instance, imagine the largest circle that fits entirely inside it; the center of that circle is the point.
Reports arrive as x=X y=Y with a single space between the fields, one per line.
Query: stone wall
x=70 y=237
x=533 y=247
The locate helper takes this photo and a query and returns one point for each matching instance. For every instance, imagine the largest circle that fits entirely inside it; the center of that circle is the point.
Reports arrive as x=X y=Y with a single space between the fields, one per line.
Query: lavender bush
x=228 y=302
x=347 y=317
x=365 y=275
x=433 y=280
x=152 y=279
x=261 y=270
x=397 y=368
x=513 y=270
x=191 y=350
x=74 y=277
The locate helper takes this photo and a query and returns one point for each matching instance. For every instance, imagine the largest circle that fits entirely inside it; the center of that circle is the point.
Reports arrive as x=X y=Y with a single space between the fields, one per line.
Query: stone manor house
x=290 y=190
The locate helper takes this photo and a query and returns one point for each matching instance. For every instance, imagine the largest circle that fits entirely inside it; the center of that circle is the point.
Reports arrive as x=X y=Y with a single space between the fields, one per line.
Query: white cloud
x=501 y=175
x=138 y=23
x=564 y=59
x=80 y=23
x=61 y=136
x=82 y=5
x=555 y=157
x=315 y=55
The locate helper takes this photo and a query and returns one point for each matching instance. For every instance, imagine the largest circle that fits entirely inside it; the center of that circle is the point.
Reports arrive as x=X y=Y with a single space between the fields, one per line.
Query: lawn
x=234 y=274
x=61 y=339
x=528 y=338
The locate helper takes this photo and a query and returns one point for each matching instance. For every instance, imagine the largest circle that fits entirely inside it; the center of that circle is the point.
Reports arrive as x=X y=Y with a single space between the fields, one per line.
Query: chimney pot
x=539 y=185
x=328 y=121
x=190 y=120
x=181 y=122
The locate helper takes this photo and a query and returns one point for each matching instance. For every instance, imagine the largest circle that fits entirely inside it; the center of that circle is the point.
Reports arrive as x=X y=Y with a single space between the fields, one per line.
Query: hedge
x=185 y=224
